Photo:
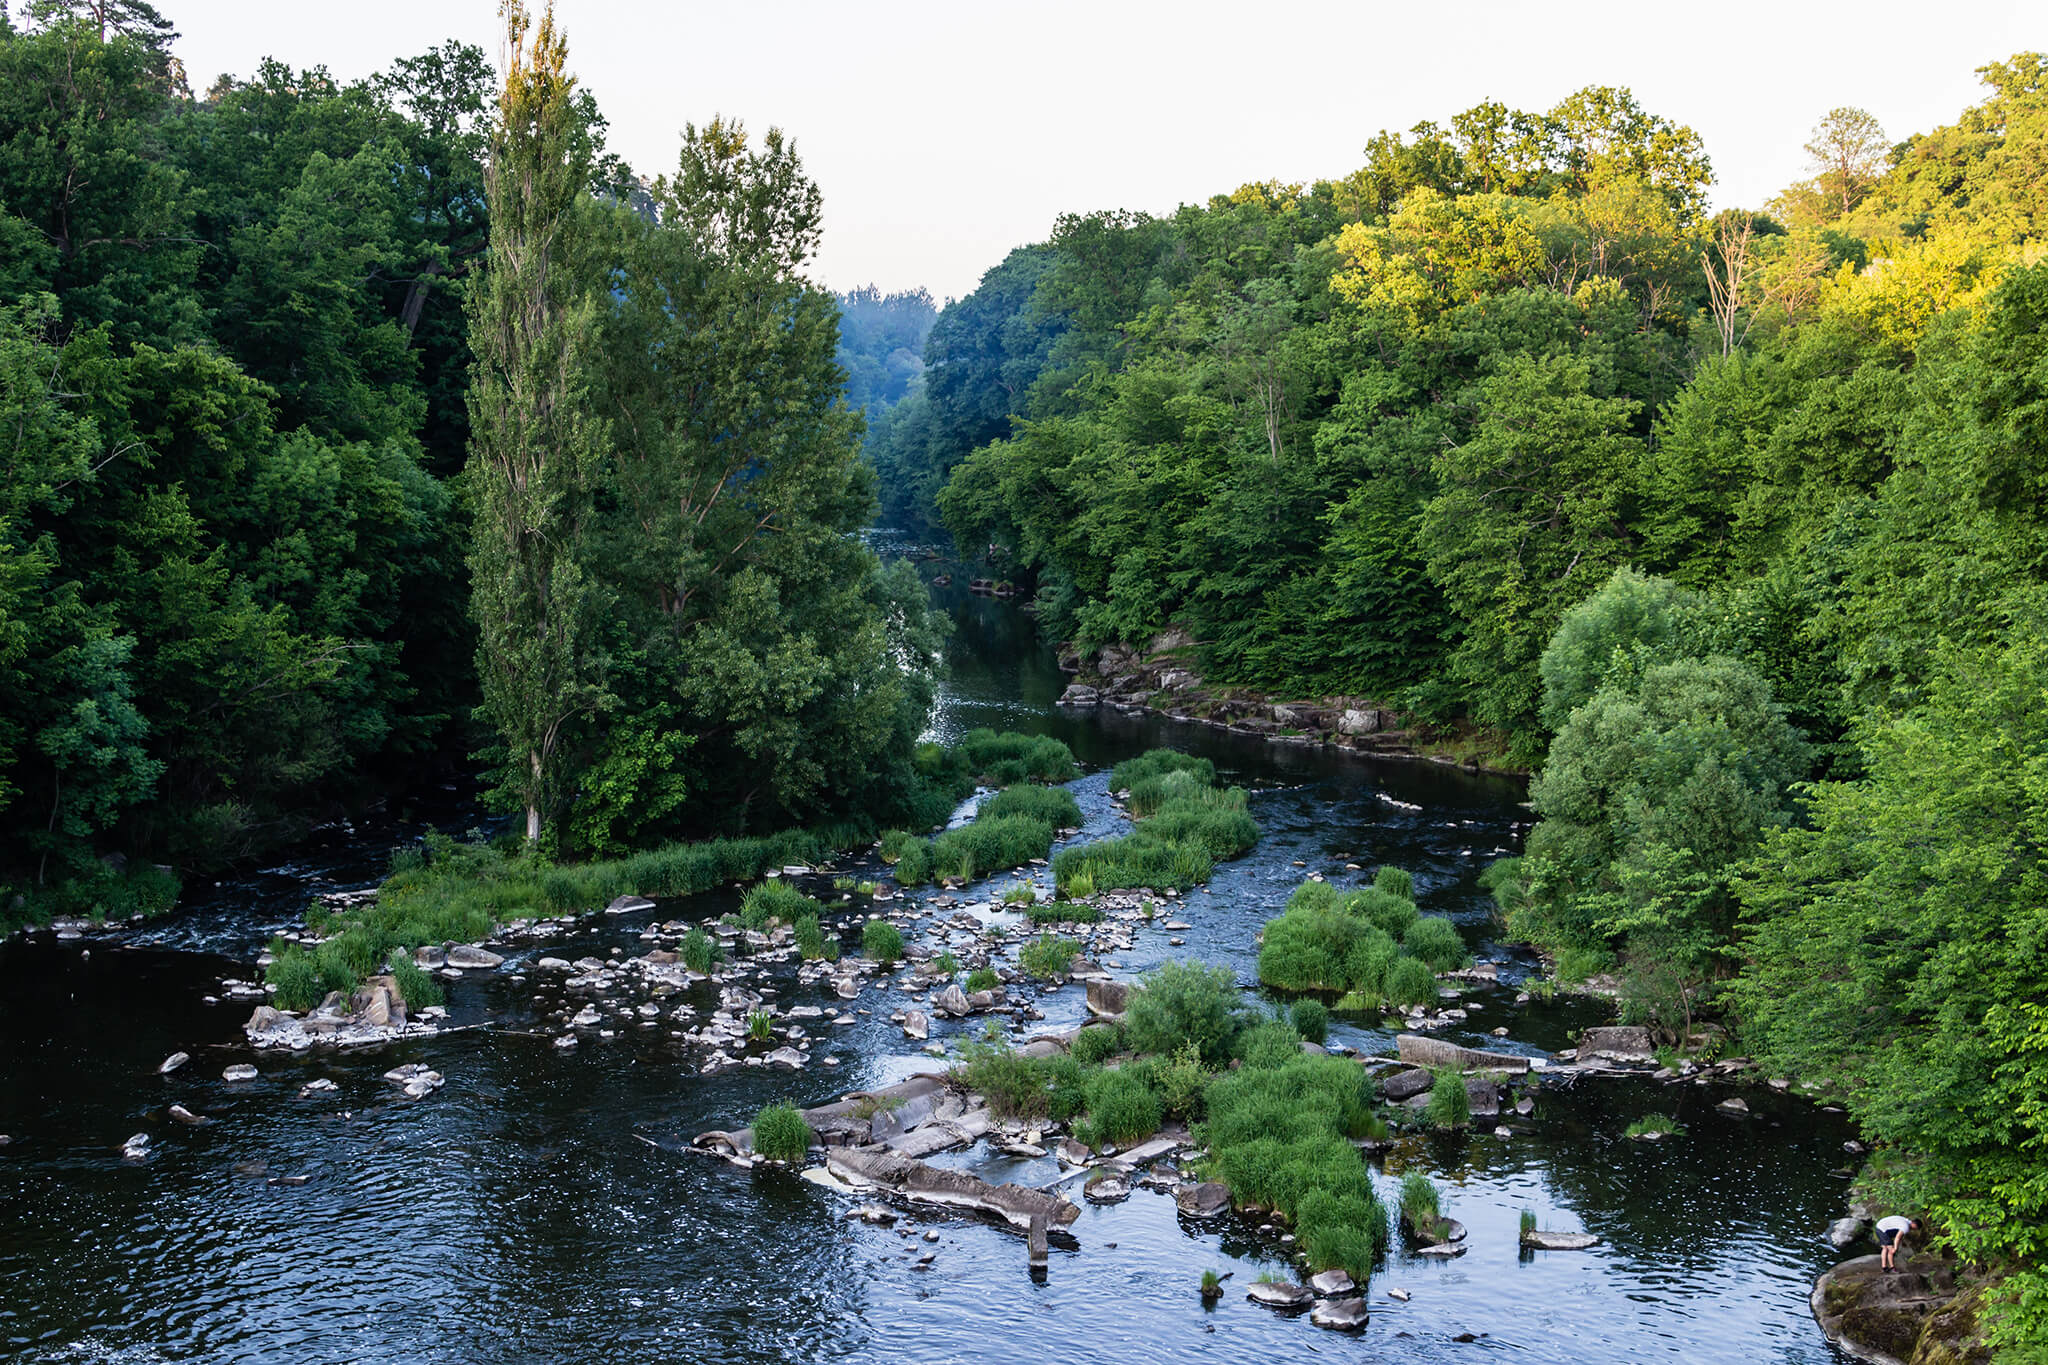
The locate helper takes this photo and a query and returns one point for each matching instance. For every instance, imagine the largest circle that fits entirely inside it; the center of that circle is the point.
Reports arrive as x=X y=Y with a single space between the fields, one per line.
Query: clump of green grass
x=699 y=951
x=982 y=979
x=760 y=1026
x=1311 y=1020
x=946 y=965
x=1449 y=1105
x=1212 y=1285
x=416 y=984
x=1422 y=1207
x=1280 y=1137
x=295 y=977
x=1189 y=825
x=1120 y=1108
x=1654 y=1125
x=1395 y=881
x=882 y=941
x=1528 y=1223
x=1019 y=895
x=780 y=1133
x=1096 y=1044
x=1056 y=806
x=1409 y=982
x=1273 y=1043
x=1436 y=942
x=1370 y=946
x=1002 y=759
x=775 y=902
x=1063 y=912
x=989 y=844
x=1047 y=956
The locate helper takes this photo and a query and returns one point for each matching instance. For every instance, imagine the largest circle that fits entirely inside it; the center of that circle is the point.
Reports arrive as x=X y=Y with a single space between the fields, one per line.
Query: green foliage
x=760 y=1026
x=1182 y=1003
x=1096 y=1044
x=1192 y=826
x=1054 y=806
x=1653 y=1125
x=1435 y=941
x=698 y=951
x=982 y=979
x=1063 y=912
x=1311 y=1019
x=882 y=942
x=780 y=1133
x=415 y=984
x=1449 y=1105
x=1271 y=1044
x=1002 y=759
x=1527 y=1222
x=1397 y=882
x=776 y=902
x=1421 y=1203
x=1121 y=1109
x=1181 y=1081
x=1047 y=956
x=1409 y=982
x=296 y=979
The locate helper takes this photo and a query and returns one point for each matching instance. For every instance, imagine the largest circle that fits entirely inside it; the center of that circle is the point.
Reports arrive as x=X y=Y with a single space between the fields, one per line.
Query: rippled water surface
x=541 y=1207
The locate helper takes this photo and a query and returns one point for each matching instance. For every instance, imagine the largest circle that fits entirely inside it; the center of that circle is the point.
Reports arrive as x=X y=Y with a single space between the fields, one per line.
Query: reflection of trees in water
x=1688 y=1200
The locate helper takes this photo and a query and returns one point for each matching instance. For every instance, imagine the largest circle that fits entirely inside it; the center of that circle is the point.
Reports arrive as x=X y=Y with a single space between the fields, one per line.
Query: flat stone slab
x=1418 y=1050
x=1559 y=1241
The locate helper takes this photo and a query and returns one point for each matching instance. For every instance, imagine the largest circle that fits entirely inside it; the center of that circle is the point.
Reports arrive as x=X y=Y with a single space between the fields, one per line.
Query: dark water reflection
x=539 y=1208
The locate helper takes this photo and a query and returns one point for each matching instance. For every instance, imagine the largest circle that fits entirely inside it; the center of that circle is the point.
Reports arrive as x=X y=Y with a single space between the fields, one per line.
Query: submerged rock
x=1205 y=1200
x=915 y=1180
x=1340 y=1315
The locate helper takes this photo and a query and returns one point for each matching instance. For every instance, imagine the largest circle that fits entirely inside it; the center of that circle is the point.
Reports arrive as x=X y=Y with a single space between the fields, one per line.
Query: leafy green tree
x=535 y=441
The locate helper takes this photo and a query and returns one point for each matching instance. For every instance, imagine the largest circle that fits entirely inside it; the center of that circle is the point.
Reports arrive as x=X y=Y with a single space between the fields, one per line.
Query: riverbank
x=1163 y=677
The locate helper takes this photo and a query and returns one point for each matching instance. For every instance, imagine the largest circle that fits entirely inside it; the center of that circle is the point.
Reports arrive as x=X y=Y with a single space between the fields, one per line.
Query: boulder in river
x=468 y=957
x=1537 y=1239
x=240 y=1071
x=1619 y=1044
x=1107 y=1188
x=629 y=905
x=1205 y=1200
x=1284 y=1295
x=1418 y=1050
x=952 y=1002
x=1331 y=1283
x=184 y=1115
x=1406 y=1085
x=1843 y=1233
x=172 y=1063
x=1108 y=999
x=1340 y=1315
x=924 y=1183
x=916 y=1025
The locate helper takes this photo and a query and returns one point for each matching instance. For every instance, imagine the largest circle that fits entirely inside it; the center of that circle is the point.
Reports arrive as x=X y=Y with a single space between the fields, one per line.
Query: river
x=542 y=1206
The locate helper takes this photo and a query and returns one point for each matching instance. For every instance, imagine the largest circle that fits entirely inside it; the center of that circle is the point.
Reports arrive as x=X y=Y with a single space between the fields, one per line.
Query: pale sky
x=943 y=135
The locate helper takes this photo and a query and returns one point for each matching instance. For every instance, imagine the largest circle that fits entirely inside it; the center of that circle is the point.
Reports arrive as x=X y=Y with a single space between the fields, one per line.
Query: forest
x=357 y=433
x=1726 y=525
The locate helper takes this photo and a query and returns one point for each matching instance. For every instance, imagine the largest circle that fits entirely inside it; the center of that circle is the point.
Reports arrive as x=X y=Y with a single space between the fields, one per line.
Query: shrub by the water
x=775 y=900
x=699 y=951
x=780 y=1133
x=1095 y=1044
x=416 y=984
x=1311 y=1020
x=1421 y=1204
x=296 y=978
x=1653 y=1125
x=1186 y=1002
x=1189 y=825
x=982 y=979
x=810 y=938
x=1009 y=757
x=1435 y=941
x=1054 y=805
x=882 y=941
x=1273 y=1043
x=1121 y=1108
x=1395 y=881
x=1409 y=982
x=1180 y=1081
x=1449 y=1105
x=1063 y=912
x=1047 y=956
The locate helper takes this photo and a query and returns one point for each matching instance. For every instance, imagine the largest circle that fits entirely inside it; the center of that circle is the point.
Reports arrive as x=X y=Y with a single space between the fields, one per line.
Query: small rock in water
x=172 y=1063
x=1281 y=1294
x=1340 y=1315
x=318 y=1086
x=184 y=1115
x=1398 y=1295
x=240 y=1071
x=1733 y=1105
x=1331 y=1283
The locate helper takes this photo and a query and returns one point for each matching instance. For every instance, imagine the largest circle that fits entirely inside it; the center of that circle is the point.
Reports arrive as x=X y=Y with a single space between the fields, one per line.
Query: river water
x=543 y=1205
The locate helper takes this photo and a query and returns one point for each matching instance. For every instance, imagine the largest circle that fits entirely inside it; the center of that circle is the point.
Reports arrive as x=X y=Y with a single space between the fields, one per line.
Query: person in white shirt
x=1889 y=1231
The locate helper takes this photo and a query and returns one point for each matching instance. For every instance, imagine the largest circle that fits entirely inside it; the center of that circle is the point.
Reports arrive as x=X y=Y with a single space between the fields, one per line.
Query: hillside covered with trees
x=1728 y=525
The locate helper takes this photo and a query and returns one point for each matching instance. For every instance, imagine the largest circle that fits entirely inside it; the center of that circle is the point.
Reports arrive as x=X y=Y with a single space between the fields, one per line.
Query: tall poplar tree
x=535 y=447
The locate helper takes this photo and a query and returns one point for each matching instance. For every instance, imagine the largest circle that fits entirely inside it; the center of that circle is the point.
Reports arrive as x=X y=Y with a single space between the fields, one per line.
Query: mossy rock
x=1950 y=1335
x=1894 y=1331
